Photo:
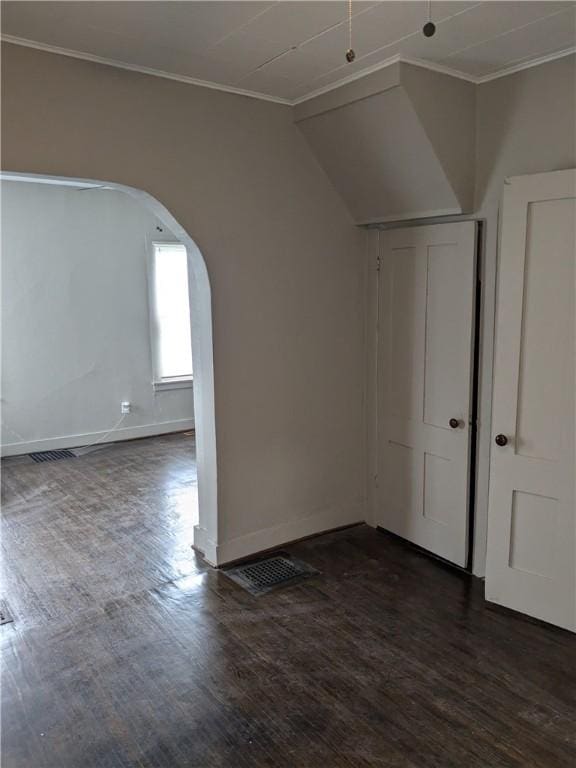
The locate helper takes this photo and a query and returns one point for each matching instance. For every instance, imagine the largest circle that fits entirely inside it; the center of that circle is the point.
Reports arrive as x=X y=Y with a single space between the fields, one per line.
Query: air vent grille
x=51 y=456
x=262 y=576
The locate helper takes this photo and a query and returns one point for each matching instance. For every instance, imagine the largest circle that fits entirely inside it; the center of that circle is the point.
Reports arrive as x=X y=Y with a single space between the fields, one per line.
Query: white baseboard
x=77 y=441
x=204 y=546
x=269 y=538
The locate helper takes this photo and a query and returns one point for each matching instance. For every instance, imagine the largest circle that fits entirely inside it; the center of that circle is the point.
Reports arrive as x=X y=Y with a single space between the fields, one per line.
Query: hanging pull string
x=350 y=55
x=349 y=23
x=429 y=28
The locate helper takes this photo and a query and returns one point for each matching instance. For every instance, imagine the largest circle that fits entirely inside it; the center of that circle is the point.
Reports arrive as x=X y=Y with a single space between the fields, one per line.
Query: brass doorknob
x=501 y=440
x=454 y=423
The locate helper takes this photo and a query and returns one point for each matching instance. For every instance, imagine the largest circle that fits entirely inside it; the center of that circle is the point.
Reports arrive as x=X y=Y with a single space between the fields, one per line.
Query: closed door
x=531 y=524
x=427 y=289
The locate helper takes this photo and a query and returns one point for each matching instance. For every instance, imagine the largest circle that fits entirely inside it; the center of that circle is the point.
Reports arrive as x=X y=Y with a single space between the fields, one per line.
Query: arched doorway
x=206 y=531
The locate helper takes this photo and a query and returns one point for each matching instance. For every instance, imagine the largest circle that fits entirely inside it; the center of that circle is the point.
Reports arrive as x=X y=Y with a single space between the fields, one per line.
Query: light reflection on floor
x=80 y=533
x=183 y=505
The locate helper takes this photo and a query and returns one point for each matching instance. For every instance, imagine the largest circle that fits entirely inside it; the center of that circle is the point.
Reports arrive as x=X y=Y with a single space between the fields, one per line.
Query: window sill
x=176 y=383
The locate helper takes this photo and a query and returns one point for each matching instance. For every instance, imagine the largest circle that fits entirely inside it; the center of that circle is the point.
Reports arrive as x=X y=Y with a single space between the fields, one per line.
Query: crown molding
x=527 y=65
x=398 y=58
x=433 y=67
x=441 y=68
x=141 y=70
x=348 y=79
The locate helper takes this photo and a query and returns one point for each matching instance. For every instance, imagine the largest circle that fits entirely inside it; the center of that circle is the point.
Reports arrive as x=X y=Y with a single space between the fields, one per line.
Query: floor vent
x=51 y=455
x=262 y=576
x=5 y=614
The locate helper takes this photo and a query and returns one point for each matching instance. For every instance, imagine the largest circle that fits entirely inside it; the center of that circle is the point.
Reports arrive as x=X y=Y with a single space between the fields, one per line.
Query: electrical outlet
x=125 y=407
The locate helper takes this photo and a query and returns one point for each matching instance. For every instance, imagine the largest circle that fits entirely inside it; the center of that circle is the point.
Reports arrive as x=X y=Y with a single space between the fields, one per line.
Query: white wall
x=283 y=258
x=75 y=319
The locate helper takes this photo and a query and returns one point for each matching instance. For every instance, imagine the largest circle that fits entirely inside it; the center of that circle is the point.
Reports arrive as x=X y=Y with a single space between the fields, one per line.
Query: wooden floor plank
x=127 y=650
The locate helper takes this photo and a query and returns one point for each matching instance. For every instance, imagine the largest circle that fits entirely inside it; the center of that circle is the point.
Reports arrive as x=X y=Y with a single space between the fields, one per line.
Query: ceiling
x=288 y=50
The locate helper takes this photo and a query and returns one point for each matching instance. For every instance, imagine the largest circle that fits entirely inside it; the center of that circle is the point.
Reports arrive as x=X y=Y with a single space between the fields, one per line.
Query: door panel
x=427 y=278
x=546 y=299
x=404 y=391
x=531 y=526
x=446 y=273
x=438 y=497
x=532 y=533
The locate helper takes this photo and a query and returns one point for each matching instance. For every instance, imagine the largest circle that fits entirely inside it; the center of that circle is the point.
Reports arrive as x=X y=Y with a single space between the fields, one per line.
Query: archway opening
x=205 y=535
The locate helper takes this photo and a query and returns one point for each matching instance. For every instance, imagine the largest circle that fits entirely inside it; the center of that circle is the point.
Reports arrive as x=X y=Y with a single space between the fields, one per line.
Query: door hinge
x=378 y=264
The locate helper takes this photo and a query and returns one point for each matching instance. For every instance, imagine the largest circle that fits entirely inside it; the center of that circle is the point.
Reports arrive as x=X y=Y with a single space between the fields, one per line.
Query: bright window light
x=172 y=305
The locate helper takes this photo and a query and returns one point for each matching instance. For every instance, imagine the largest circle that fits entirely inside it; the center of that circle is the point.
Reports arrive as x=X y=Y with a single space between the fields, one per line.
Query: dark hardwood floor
x=128 y=651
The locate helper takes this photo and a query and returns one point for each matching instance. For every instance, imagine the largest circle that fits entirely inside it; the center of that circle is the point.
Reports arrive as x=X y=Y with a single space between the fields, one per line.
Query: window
x=172 y=315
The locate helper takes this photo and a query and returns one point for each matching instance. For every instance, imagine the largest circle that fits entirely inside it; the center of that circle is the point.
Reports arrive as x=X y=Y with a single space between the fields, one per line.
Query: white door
x=427 y=290
x=531 y=523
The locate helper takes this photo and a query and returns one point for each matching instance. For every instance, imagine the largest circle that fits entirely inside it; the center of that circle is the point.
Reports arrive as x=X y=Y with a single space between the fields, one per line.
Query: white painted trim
x=348 y=79
x=77 y=441
x=527 y=65
x=412 y=215
x=269 y=538
x=47 y=180
x=203 y=545
x=142 y=70
x=440 y=68
x=398 y=58
x=186 y=382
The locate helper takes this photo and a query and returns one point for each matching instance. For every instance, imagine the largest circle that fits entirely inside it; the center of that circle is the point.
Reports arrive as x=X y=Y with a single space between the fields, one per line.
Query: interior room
x=288 y=384
x=90 y=277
